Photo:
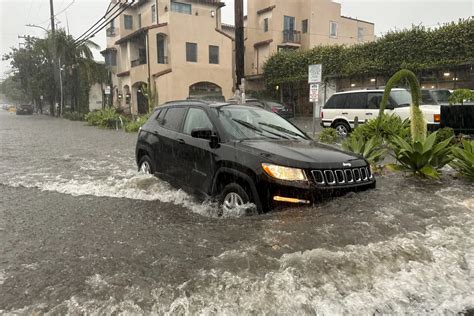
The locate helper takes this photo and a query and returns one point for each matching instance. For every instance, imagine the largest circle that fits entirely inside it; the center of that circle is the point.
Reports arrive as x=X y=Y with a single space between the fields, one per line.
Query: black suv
x=242 y=155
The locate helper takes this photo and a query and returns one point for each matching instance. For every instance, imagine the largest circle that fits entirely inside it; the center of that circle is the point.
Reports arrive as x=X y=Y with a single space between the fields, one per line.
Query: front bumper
x=276 y=192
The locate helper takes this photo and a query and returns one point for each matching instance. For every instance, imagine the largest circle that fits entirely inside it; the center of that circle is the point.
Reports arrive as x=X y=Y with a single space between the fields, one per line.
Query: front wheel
x=342 y=128
x=145 y=165
x=232 y=198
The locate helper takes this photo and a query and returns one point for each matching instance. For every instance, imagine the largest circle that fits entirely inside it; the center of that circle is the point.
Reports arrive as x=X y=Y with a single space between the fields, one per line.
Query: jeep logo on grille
x=346 y=164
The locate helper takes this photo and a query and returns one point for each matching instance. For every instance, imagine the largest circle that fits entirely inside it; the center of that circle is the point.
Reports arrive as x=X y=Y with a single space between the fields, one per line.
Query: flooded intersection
x=82 y=232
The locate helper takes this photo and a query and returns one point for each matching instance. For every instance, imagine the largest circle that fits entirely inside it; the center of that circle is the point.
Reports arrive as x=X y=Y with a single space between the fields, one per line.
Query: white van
x=342 y=108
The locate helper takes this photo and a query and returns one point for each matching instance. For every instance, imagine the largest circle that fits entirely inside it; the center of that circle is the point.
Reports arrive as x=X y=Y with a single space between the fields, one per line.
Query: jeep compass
x=240 y=155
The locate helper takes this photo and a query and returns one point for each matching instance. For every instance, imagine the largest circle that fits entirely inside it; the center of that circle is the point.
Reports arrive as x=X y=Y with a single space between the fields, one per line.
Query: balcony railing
x=138 y=62
x=291 y=36
x=111 y=32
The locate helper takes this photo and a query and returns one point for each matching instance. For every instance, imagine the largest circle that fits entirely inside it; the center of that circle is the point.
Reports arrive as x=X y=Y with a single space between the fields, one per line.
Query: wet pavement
x=82 y=232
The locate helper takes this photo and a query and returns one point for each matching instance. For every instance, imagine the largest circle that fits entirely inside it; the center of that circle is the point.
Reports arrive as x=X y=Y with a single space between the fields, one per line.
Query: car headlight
x=284 y=173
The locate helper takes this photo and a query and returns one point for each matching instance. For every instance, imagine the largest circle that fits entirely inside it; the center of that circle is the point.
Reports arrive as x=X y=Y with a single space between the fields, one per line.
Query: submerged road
x=82 y=232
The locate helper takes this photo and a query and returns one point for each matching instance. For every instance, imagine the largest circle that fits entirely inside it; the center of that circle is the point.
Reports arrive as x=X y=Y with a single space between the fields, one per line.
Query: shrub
x=421 y=157
x=461 y=95
x=73 y=116
x=463 y=159
x=390 y=125
x=134 y=126
x=328 y=136
x=445 y=133
x=371 y=150
x=107 y=118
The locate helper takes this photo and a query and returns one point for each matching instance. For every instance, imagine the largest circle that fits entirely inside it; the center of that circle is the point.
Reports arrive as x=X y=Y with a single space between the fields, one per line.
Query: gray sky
x=386 y=14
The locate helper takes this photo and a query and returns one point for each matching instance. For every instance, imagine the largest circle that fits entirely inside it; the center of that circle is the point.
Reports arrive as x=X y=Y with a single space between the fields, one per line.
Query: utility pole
x=239 y=41
x=55 y=62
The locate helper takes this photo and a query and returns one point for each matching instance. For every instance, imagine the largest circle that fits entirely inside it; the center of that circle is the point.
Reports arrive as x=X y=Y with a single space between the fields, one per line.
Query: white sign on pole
x=315 y=73
x=313 y=92
x=107 y=90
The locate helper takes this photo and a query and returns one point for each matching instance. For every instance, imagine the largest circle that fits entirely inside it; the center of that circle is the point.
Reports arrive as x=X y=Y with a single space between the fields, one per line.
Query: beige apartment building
x=275 y=25
x=177 y=46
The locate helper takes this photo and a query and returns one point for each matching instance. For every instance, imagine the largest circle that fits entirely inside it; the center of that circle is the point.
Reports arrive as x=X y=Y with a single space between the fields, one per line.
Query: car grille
x=342 y=176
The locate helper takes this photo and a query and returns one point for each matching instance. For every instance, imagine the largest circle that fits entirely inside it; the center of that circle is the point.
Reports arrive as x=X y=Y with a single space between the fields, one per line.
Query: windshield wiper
x=256 y=129
x=282 y=129
x=248 y=125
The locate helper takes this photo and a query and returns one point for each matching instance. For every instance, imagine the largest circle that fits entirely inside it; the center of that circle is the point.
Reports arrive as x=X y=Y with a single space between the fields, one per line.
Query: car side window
x=337 y=101
x=173 y=118
x=356 y=101
x=196 y=119
x=374 y=100
x=426 y=97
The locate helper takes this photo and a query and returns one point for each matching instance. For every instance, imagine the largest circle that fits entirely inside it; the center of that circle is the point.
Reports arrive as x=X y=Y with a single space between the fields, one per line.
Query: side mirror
x=202 y=133
x=208 y=134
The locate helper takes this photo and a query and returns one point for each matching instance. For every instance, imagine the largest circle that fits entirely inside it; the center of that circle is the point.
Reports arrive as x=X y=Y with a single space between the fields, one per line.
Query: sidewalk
x=305 y=123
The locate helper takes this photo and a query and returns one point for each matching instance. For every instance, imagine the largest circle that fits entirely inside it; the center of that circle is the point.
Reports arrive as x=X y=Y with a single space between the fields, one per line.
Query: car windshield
x=442 y=96
x=242 y=123
x=402 y=98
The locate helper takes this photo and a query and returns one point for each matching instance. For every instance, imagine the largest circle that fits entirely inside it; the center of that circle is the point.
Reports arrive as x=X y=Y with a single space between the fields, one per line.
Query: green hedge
x=415 y=49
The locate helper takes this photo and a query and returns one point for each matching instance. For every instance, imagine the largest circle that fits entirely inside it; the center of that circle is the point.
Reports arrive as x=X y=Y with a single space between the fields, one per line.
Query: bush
x=421 y=157
x=371 y=150
x=328 y=136
x=390 y=126
x=107 y=118
x=463 y=159
x=73 y=116
x=445 y=133
x=459 y=96
x=134 y=126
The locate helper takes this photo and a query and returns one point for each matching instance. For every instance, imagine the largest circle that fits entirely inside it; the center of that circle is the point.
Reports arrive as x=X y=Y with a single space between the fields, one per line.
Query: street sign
x=315 y=73
x=313 y=92
x=107 y=90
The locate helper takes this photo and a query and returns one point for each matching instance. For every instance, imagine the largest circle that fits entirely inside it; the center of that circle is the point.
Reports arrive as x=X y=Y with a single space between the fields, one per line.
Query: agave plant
x=463 y=159
x=371 y=150
x=421 y=157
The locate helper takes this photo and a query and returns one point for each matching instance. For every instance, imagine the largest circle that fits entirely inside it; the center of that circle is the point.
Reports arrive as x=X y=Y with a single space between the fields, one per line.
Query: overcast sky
x=386 y=14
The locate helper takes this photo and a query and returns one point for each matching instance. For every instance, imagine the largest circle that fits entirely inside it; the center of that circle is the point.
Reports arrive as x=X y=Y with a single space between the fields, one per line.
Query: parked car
x=24 y=109
x=342 y=108
x=269 y=105
x=240 y=154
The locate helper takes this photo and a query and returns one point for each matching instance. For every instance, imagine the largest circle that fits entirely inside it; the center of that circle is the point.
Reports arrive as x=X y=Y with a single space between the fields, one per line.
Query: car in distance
x=269 y=105
x=342 y=108
x=241 y=154
x=24 y=109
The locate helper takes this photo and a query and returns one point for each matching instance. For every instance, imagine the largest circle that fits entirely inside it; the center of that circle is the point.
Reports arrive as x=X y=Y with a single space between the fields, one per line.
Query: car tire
x=342 y=128
x=145 y=165
x=231 y=197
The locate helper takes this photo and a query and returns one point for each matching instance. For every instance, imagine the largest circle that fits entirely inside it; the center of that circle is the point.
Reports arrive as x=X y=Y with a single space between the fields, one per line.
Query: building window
x=139 y=21
x=304 y=26
x=360 y=34
x=153 y=13
x=181 y=7
x=113 y=58
x=191 y=52
x=332 y=29
x=213 y=54
x=289 y=23
x=112 y=24
x=265 y=25
x=161 y=49
x=128 y=22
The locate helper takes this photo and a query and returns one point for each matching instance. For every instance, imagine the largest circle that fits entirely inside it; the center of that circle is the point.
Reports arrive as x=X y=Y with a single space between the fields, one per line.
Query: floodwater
x=82 y=232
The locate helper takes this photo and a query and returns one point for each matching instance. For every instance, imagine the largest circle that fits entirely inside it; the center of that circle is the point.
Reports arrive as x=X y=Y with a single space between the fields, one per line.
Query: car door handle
x=180 y=141
x=155 y=133
x=368 y=113
x=345 y=113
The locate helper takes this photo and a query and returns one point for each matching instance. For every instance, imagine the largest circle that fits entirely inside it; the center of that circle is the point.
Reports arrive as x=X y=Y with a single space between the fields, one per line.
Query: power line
x=104 y=23
x=99 y=21
x=63 y=10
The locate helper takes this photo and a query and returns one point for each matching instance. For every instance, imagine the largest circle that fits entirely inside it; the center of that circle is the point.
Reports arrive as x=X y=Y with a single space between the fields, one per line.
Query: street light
x=37 y=26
